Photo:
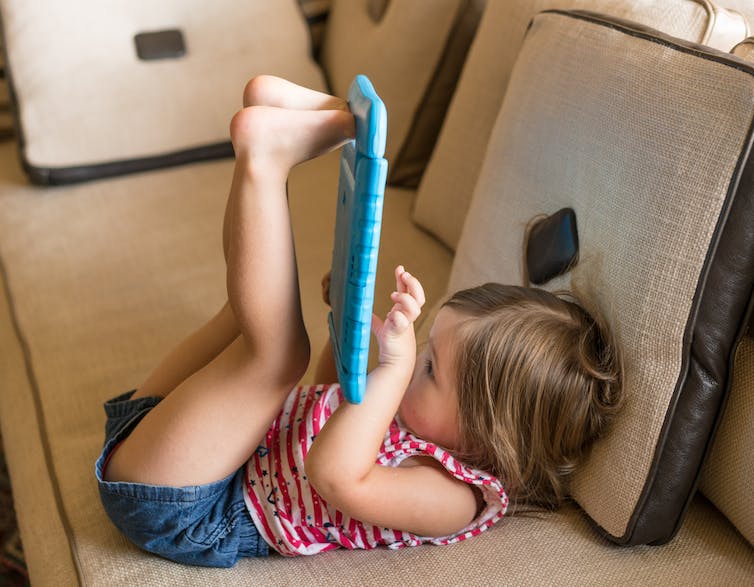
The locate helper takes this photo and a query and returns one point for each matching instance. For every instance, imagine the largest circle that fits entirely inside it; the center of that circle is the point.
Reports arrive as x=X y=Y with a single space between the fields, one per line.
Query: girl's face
x=430 y=405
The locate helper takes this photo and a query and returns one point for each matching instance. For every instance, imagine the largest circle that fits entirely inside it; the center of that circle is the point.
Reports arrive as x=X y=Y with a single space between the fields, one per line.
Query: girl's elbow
x=320 y=473
x=329 y=479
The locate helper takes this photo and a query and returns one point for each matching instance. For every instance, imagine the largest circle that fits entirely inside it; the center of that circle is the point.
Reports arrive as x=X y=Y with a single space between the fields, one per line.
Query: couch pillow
x=88 y=106
x=648 y=139
x=745 y=49
x=445 y=191
x=413 y=52
x=728 y=474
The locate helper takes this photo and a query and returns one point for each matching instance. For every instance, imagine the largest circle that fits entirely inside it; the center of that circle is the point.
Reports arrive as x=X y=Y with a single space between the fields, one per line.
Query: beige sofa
x=101 y=278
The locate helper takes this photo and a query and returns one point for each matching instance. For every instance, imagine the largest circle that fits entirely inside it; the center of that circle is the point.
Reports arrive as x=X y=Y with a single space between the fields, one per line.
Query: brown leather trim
x=718 y=320
x=76 y=174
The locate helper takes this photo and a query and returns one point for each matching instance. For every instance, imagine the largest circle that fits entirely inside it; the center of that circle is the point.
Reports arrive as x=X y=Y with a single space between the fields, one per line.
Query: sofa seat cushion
x=88 y=106
x=104 y=277
x=647 y=138
x=448 y=183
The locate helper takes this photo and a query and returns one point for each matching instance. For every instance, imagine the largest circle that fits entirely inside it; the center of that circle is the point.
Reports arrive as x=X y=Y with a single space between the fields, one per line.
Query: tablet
x=361 y=187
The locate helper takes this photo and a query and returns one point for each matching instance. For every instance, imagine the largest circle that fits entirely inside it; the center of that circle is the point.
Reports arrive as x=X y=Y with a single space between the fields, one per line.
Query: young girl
x=214 y=458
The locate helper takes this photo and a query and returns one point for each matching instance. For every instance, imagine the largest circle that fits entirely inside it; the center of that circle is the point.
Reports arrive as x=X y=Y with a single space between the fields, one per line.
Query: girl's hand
x=395 y=335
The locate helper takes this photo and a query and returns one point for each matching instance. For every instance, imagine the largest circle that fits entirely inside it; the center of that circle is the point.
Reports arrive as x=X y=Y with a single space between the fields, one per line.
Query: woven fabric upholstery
x=413 y=53
x=642 y=139
x=728 y=474
x=84 y=98
x=446 y=188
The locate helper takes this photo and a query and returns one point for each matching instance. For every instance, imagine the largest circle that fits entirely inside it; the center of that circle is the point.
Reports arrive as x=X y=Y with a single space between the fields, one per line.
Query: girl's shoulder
x=402 y=449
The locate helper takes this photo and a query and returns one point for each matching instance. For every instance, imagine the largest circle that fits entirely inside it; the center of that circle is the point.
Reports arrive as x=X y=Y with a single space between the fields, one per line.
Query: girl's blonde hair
x=538 y=379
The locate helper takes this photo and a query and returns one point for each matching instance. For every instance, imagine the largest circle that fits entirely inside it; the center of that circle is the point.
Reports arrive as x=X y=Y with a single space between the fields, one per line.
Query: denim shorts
x=207 y=525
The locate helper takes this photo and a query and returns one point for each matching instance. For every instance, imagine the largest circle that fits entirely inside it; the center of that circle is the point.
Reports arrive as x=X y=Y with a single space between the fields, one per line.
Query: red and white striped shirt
x=295 y=520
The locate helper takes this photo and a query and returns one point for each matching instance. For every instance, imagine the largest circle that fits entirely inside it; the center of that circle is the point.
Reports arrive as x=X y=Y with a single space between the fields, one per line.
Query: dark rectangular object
x=552 y=247
x=167 y=44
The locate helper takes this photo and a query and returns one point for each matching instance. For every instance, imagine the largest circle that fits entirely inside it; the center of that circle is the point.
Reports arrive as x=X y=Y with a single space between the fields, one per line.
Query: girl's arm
x=421 y=499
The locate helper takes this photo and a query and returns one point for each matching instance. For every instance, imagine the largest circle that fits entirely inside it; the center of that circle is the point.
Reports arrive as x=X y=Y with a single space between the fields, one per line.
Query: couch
x=101 y=278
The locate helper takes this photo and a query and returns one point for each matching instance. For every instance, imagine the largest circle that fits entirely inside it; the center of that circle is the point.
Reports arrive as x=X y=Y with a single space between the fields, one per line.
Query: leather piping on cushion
x=67 y=175
x=416 y=150
x=717 y=321
x=722 y=319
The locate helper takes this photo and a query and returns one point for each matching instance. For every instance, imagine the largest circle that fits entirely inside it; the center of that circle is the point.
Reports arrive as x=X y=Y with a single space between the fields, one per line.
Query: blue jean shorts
x=207 y=525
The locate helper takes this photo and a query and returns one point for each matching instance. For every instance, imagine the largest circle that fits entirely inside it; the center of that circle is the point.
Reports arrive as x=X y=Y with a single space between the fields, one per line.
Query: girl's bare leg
x=204 y=344
x=211 y=423
x=270 y=90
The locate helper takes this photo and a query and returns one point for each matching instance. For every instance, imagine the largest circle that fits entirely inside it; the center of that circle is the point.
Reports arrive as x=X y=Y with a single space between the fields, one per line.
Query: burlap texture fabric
x=728 y=474
x=84 y=97
x=448 y=183
x=642 y=140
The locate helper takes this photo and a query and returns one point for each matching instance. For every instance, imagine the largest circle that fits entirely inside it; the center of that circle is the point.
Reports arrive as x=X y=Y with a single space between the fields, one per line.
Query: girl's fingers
x=406 y=303
x=399 y=285
x=414 y=287
x=405 y=282
x=398 y=319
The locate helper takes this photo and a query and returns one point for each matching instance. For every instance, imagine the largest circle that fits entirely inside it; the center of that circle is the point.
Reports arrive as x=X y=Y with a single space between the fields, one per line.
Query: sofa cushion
x=745 y=49
x=646 y=137
x=413 y=52
x=123 y=299
x=88 y=106
x=445 y=191
x=728 y=474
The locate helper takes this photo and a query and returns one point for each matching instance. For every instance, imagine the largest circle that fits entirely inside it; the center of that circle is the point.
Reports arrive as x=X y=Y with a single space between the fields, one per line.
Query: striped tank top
x=295 y=520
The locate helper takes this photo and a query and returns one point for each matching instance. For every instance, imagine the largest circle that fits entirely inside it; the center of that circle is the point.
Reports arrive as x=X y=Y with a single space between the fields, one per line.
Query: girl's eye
x=428 y=368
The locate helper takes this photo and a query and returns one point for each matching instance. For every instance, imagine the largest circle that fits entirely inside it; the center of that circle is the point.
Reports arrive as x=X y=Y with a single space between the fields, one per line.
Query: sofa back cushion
x=647 y=138
x=445 y=191
x=745 y=49
x=88 y=106
x=728 y=474
x=413 y=52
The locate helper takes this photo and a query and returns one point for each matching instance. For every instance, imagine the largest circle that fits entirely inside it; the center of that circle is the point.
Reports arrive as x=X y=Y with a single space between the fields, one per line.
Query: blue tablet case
x=361 y=188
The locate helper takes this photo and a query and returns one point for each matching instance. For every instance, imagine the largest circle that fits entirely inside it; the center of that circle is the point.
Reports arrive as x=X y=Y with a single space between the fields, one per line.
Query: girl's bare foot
x=269 y=90
x=276 y=139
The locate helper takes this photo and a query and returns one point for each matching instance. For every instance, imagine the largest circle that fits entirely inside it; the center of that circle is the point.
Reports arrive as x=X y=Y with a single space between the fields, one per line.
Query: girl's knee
x=248 y=131
x=281 y=366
